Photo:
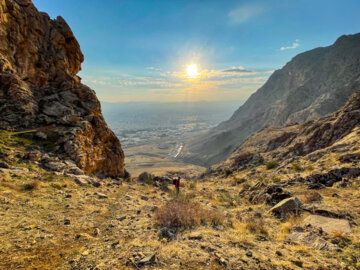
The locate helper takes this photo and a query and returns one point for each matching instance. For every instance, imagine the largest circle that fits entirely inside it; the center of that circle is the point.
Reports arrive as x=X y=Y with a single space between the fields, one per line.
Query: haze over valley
x=150 y=130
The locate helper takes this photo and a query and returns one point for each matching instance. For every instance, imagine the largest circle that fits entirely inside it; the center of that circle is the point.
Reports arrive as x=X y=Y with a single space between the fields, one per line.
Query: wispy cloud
x=245 y=13
x=239 y=69
x=216 y=84
x=293 y=46
x=153 y=68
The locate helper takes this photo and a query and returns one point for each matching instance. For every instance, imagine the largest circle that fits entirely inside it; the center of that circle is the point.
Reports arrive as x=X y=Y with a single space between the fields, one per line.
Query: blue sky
x=139 y=50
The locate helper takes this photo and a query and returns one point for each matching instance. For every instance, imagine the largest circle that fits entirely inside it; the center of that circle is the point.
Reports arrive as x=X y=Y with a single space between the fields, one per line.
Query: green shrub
x=272 y=164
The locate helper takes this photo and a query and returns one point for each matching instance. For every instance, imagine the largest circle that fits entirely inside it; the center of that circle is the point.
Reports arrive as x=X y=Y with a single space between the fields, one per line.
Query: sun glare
x=192 y=71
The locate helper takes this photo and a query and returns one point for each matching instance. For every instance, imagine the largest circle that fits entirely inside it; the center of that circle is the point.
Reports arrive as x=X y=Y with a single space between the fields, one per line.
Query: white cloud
x=244 y=13
x=293 y=46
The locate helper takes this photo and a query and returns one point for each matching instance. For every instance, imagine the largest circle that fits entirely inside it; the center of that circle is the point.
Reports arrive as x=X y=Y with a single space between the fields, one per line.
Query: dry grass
x=181 y=213
x=271 y=164
x=256 y=225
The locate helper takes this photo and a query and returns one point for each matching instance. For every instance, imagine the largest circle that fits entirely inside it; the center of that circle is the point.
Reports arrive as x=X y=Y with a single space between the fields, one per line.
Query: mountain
x=40 y=91
x=336 y=132
x=311 y=85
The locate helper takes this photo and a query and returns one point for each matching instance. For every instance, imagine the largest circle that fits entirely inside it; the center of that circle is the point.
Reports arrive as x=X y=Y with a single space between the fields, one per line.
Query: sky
x=195 y=50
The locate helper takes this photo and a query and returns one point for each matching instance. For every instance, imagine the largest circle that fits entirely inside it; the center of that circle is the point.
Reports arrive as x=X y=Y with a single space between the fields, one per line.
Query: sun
x=192 y=71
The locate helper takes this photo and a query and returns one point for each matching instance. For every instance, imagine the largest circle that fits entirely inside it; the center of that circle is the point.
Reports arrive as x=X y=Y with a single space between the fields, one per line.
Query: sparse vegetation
x=296 y=166
x=256 y=225
x=186 y=214
x=192 y=185
x=271 y=164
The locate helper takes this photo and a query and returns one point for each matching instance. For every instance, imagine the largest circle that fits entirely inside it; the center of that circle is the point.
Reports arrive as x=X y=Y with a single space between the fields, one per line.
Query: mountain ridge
x=311 y=85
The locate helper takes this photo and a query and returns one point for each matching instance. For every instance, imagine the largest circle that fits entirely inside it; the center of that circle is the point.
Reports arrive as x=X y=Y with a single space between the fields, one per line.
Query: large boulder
x=328 y=225
x=271 y=195
x=285 y=207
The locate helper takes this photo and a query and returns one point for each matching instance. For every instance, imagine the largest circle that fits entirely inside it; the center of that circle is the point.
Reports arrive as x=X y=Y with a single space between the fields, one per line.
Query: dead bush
x=181 y=213
x=312 y=196
x=256 y=225
x=32 y=185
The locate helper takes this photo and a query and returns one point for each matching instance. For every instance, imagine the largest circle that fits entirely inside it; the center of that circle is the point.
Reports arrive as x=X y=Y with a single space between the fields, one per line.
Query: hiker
x=176 y=182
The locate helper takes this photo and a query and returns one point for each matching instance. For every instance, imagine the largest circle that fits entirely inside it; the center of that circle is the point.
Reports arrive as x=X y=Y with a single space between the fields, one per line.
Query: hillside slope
x=311 y=85
x=40 y=91
x=337 y=132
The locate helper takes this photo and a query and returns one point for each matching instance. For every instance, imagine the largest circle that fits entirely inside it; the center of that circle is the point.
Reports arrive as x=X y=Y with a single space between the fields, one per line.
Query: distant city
x=141 y=123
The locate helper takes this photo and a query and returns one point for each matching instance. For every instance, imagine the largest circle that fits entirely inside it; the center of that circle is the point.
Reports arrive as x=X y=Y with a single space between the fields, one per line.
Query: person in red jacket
x=177 y=184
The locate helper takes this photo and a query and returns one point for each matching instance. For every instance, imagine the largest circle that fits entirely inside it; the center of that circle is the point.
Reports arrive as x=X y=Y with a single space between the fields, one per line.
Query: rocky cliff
x=39 y=89
x=311 y=85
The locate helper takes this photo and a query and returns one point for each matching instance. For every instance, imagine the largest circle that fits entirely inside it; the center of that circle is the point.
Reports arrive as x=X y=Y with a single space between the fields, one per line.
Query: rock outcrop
x=311 y=85
x=40 y=89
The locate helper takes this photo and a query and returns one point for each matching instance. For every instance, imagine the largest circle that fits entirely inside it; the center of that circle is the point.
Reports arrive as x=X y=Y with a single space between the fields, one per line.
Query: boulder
x=54 y=166
x=271 y=195
x=100 y=195
x=328 y=225
x=81 y=181
x=4 y=165
x=74 y=171
x=41 y=135
x=286 y=207
x=33 y=155
x=148 y=260
x=309 y=238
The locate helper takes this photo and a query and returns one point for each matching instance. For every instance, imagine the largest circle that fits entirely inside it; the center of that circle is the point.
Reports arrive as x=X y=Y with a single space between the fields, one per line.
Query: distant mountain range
x=311 y=85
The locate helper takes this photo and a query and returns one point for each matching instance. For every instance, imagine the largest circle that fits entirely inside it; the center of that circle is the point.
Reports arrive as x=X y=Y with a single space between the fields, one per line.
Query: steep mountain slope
x=311 y=85
x=337 y=132
x=39 y=89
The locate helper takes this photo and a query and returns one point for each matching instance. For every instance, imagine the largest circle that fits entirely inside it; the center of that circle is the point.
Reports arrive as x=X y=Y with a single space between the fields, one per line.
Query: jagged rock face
x=39 y=88
x=311 y=85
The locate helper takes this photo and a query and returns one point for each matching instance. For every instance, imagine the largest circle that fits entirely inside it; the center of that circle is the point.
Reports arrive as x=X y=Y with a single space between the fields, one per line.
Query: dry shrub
x=285 y=228
x=256 y=225
x=66 y=184
x=182 y=213
x=338 y=234
x=32 y=185
x=312 y=196
x=272 y=164
x=9 y=185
